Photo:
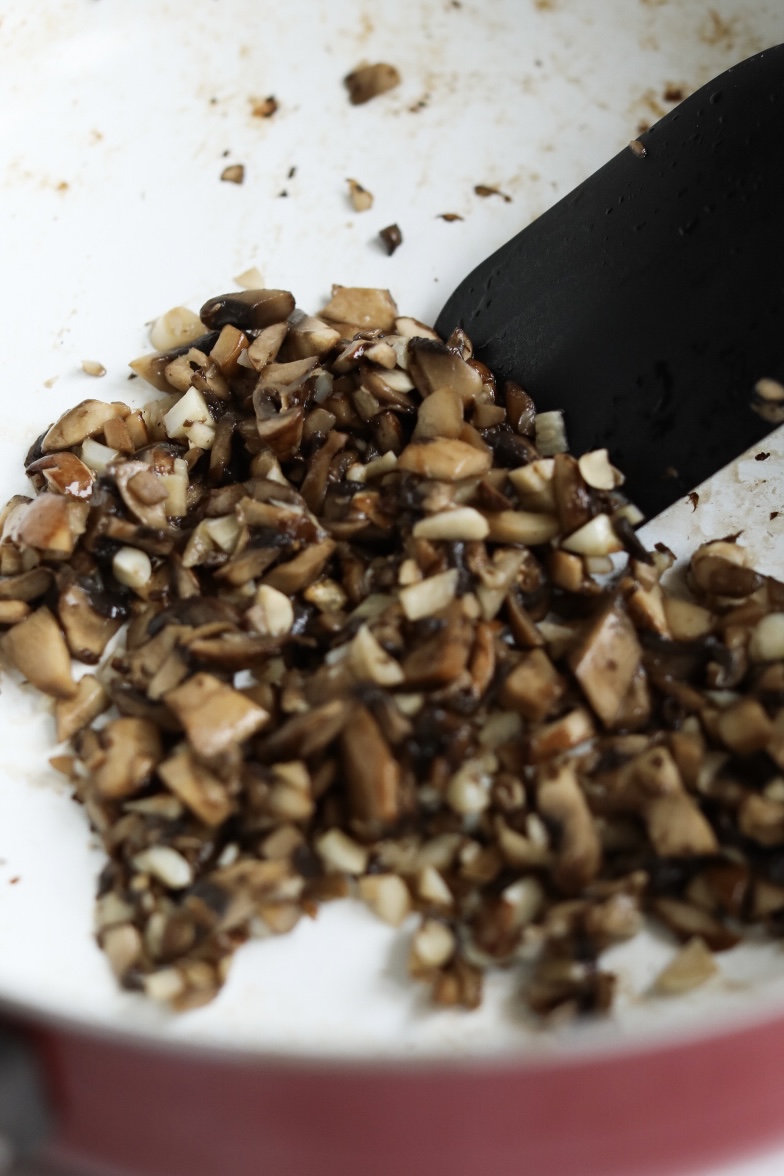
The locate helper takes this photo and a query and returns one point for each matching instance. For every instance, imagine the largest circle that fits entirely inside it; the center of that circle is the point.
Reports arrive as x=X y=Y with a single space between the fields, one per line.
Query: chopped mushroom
x=391 y=238
x=606 y=661
x=37 y=648
x=234 y=173
x=361 y=624
x=128 y=750
x=215 y=716
x=368 y=81
x=372 y=775
x=365 y=308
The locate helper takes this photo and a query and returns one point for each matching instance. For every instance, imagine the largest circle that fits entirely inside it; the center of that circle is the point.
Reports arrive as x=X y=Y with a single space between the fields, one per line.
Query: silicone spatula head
x=649 y=302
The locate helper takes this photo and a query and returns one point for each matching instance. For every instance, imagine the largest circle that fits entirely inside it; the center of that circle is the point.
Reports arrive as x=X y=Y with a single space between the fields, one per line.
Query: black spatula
x=649 y=301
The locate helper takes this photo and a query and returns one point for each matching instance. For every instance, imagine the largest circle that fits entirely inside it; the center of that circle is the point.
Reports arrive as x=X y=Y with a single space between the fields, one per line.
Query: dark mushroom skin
x=248 y=310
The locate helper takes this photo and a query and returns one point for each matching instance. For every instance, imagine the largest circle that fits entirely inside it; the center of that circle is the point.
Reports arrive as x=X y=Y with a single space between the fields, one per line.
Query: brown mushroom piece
x=280 y=431
x=204 y=793
x=84 y=420
x=372 y=773
x=248 y=310
x=13 y=611
x=368 y=81
x=560 y=799
x=306 y=734
x=87 y=630
x=363 y=307
x=128 y=749
x=572 y=497
x=441 y=659
x=89 y=701
x=720 y=569
x=36 y=646
x=534 y=687
x=215 y=716
x=26 y=586
x=64 y=473
x=606 y=662
x=434 y=366
x=51 y=524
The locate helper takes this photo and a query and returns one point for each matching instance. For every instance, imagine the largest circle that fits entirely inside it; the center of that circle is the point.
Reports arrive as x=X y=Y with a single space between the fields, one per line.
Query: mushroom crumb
x=91 y=367
x=264 y=107
x=639 y=149
x=449 y=216
x=359 y=624
x=368 y=81
x=234 y=173
x=361 y=199
x=391 y=238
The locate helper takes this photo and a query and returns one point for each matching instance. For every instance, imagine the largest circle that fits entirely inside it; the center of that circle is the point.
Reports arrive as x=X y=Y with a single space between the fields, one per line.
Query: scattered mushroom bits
x=368 y=81
x=359 y=624
x=391 y=238
x=361 y=199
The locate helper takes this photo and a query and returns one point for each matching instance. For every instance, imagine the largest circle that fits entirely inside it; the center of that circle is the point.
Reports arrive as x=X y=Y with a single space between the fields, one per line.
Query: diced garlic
x=340 y=853
x=430 y=595
x=250 y=279
x=597 y=471
x=433 y=944
x=273 y=612
x=409 y=572
x=691 y=967
x=463 y=524
x=431 y=887
x=526 y=896
x=164 y=985
x=550 y=433
x=96 y=456
x=176 y=486
x=370 y=662
x=380 y=465
x=175 y=328
x=165 y=864
x=132 y=567
x=387 y=896
x=767 y=638
x=468 y=792
x=190 y=408
x=596 y=537
x=224 y=532
x=200 y=435
x=92 y=368
x=631 y=513
x=409 y=704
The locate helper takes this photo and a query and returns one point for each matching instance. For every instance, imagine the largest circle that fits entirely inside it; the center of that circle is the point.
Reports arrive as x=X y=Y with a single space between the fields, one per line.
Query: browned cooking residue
x=485 y=190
